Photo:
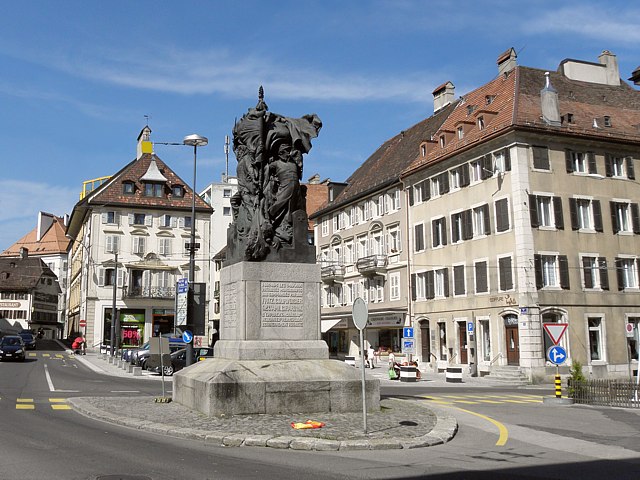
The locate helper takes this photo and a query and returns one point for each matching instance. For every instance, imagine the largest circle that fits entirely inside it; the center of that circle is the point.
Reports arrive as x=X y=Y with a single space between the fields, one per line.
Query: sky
x=80 y=79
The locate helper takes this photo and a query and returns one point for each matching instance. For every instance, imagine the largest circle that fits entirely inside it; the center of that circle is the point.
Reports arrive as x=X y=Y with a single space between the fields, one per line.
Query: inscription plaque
x=229 y=306
x=282 y=304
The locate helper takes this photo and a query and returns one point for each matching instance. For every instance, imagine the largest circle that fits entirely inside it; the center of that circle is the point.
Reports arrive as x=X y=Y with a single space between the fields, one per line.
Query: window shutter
x=444 y=230
x=630 y=171
x=101 y=277
x=413 y=287
x=540 y=158
x=619 y=273
x=167 y=247
x=486 y=166
x=597 y=215
x=502 y=215
x=573 y=210
x=533 y=211
x=181 y=222
x=507 y=160
x=464 y=174
x=604 y=273
x=557 y=213
x=586 y=269
x=591 y=160
x=131 y=219
x=445 y=279
x=458 y=280
x=467 y=225
x=487 y=220
x=109 y=245
x=104 y=217
x=537 y=260
x=410 y=193
x=116 y=218
x=430 y=286
x=635 y=218
x=481 y=277
x=426 y=191
x=614 y=217
x=563 y=263
x=444 y=183
x=116 y=244
x=608 y=168
x=120 y=277
x=568 y=158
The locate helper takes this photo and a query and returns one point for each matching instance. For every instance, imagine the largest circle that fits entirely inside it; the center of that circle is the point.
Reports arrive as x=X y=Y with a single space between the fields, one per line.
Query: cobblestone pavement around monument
x=399 y=423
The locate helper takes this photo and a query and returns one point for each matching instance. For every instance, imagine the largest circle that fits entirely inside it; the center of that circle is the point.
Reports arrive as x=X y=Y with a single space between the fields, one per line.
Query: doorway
x=425 y=342
x=513 y=345
x=462 y=341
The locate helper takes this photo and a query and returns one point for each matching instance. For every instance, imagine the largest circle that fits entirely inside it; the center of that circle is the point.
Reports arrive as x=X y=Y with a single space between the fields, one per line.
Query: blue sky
x=78 y=77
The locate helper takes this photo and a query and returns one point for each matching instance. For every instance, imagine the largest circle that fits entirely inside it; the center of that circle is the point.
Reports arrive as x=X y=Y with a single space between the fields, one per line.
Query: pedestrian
x=78 y=346
x=372 y=356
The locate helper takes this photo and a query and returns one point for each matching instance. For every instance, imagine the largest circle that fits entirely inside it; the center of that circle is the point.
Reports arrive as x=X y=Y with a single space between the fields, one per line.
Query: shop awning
x=325 y=325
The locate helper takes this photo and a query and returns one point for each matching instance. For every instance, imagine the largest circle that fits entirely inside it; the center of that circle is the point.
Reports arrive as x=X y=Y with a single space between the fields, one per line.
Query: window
x=480 y=123
x=109 y=276
x=546 y=211
x=112 y=244
x=325 y=227
x=619 y=167
x=363 y=247
x=417 y=192
x=502 y=161
x=226 y=193
x=106 y=277
x=460 y=133
x=586 y=214
x=456 y=179
x=607 y=121
x=439 y=228
x=393 y=240
x=442 y=141
x=459 y=284
x=128 y=188
x=177 y=191
x=186 y=222
x=625 y=217
x=110 y=218
x=627 y=272
x=481 y=225
x=376 y=290
x=594 y=272
x=418 y=237
x=505 y=271
x=502 y=215
x=595 y=338
x=336 y=225
x=226 y=211
x=140 y=219
x=442 y=333
x=168 y=221
x=634 y=348
x=475 y=171
x=540 y=158
x=441 y=283
x=457 y=223
x=348 y=253
x=164 y=246
x=138 y=244
x=153 y=189
x=394 y=286
x=551 y=271
x=580 y=162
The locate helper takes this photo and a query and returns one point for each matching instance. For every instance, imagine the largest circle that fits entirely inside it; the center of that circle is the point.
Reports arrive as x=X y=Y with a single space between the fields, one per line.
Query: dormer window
x=153 y=189
x=480 y=123
x=489 y=99
x=460 y=133
x=423 y=149
x=470 y=109
x=607 y=121
x=128 y=188
x=177 y=191
x=442 y=142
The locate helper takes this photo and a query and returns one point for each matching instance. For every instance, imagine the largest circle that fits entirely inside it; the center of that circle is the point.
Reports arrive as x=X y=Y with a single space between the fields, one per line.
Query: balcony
x=372 y=265
x=332 y=273
x=150 y=292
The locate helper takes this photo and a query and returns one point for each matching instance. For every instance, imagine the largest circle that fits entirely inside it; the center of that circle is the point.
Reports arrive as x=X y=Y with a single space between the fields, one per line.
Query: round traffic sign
x=557 y=355
x=82 y=323
x=187 y=336
x=360 y=313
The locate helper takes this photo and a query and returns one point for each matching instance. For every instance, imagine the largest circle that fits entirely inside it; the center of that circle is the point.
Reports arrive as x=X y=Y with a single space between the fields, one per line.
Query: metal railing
x=499 y=355
x=605 y=392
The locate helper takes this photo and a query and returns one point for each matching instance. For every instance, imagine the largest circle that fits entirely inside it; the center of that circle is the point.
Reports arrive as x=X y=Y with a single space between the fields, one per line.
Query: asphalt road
x=503 y=434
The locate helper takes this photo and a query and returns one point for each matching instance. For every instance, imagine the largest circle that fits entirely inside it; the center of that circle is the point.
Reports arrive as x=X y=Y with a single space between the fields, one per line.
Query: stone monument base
x=237 y=387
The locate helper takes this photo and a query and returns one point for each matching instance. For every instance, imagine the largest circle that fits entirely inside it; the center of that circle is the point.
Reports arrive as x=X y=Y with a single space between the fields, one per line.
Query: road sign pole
x=558 y=383
x=364 y=389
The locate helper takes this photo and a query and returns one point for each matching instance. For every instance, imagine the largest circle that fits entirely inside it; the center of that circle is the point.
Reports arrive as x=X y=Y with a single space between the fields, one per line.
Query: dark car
x=139 y=357
x=29 y=340
x=179 y=359
x=12 y=348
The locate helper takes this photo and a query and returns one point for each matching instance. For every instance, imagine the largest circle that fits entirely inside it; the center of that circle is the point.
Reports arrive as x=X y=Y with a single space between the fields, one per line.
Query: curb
x=444 y=430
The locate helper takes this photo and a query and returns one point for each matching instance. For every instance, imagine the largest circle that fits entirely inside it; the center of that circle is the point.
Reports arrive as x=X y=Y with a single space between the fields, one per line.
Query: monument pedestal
x=271 y=358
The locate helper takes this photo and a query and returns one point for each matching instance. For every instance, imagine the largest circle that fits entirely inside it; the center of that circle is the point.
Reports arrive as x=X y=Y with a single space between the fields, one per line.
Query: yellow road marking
x=61 y=407
x=46 y=355
x=456 y=396
x=504 y=433
x=32 y=355
x=25 y=406
x=24 y=400
x=58 y=400
x=488 y=401
x=514 y=401
x=58 y=355
x=441 y=402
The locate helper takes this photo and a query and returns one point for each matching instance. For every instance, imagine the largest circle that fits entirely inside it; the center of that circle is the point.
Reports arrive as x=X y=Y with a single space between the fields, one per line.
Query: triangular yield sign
x=555 y=331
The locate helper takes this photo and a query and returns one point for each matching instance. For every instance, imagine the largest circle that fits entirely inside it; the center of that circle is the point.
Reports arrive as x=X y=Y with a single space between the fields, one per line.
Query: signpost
x=360 y=314
x=556 y=354
x=182 y=289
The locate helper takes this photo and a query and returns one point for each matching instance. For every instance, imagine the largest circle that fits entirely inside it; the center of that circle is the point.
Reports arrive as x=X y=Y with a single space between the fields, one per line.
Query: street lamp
x=195 y=141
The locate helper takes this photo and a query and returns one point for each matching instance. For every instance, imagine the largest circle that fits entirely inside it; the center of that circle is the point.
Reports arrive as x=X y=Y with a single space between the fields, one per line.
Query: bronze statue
x=269 y=209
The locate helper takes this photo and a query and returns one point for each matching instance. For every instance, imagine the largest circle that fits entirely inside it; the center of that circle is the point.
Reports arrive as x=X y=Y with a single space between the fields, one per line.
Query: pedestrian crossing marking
x=29 y=404
x=46 y=355
x=60 y=407
x=33 y=355
x=58 y=400
x=25 y=406
x=59 y=355
x=24 y=400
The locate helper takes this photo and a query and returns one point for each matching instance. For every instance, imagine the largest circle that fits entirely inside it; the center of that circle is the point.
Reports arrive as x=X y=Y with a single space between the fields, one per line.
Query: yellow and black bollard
x=558 y=386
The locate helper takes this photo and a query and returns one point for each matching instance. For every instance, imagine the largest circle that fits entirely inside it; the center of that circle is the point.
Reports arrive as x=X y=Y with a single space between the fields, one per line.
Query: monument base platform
x=238 y=387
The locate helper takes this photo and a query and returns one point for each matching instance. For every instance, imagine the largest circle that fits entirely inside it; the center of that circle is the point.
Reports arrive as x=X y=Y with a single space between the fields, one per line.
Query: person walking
x=372 y=356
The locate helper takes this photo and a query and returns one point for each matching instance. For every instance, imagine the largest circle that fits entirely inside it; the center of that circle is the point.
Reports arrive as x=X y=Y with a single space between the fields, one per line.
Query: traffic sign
x=360 y=313
x=408 y=346
x=555 y=331
x=407 y=332
x=557 y=355
x=83 y=323
x=187 y=336
x=470 y=327
x=183 y=285
x=628 y=328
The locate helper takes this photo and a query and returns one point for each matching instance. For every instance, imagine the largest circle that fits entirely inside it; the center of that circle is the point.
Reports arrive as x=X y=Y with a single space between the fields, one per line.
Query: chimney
x=549 y=103
x=610 y=61
x=24 y=253
x=144 y=142
x=635 y=76
x=507 y=61
x=443 y=96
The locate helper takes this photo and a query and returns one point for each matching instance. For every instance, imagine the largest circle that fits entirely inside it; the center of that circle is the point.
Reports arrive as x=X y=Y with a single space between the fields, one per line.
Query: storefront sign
x=10 y=304
x=389 y=320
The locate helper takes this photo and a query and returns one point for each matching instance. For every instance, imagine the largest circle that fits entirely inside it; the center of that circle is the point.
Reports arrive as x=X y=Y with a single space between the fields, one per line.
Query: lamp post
x=195 y=141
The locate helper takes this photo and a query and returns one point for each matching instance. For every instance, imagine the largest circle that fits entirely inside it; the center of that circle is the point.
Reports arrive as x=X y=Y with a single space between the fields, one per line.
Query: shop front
x=163 y=321
x=132 y=323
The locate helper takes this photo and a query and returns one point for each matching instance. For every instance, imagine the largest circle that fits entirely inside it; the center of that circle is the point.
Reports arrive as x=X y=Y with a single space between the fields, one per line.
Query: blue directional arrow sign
x=557 y=355
x=407 y=332
x=187 y=336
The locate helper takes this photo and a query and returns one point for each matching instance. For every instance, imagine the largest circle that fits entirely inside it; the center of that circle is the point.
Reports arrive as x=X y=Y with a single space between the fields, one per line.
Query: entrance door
x=513 y=345
x=425 y=341
x=462 y=341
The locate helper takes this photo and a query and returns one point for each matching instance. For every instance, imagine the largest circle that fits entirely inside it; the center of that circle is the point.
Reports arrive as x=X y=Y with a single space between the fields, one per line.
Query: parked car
x=12 y=348
x=139 y=357
x=179 y=359
x=29 y=340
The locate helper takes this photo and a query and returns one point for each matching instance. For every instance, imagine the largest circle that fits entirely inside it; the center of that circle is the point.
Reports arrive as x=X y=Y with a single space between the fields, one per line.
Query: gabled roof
x=111 y=193
x=513 y=101
x=22 y=274
x=52 y=242
x=383 y=168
